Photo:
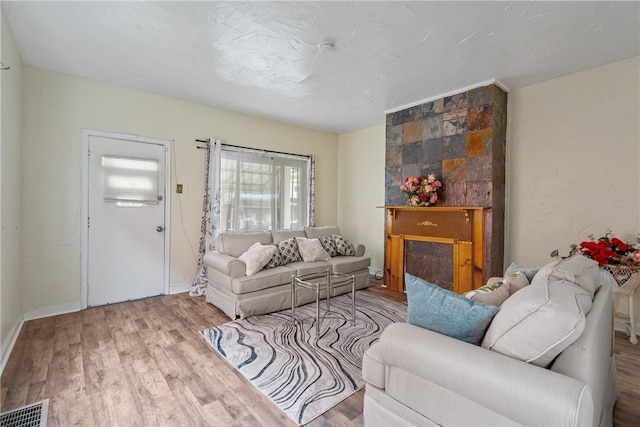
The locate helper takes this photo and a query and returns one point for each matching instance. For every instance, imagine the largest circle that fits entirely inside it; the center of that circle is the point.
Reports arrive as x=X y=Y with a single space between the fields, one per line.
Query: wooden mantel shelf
x=434 y=208
x=393 y=209
x=460 y=226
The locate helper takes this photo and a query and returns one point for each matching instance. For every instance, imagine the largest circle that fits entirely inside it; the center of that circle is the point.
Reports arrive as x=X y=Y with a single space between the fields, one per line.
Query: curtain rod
x=206 y=141
x=266 y=151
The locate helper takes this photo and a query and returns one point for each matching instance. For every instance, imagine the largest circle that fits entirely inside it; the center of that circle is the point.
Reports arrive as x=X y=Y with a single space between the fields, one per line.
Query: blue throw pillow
x=516 y=268
x=439 y=310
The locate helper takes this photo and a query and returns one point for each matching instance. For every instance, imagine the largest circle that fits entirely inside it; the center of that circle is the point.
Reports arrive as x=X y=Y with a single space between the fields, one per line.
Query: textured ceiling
x=262 y=58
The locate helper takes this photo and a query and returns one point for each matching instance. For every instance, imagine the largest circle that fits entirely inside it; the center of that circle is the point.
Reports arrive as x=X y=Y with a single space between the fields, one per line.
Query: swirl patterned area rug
x=303 y=373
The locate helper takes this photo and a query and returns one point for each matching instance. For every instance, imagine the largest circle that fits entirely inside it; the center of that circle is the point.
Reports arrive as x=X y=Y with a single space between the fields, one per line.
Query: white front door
x=126 y=229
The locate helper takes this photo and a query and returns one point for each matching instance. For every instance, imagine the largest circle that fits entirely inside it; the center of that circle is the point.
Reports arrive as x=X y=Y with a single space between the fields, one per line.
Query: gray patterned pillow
x=275 y=260
x=329 y=245
x=343 y=246
x=288 y=250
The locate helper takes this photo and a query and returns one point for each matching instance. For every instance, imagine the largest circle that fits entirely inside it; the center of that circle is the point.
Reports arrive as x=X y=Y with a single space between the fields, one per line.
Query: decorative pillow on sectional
x=288 y=250
x=329 y=245
x=311 y=250
x=515 y=268
x=344 y=247
x=437 y=309
x=494 y=294
x=515 y=282
x=275 y=260
x=539 y=322
x=578 y=269
x=256 y=257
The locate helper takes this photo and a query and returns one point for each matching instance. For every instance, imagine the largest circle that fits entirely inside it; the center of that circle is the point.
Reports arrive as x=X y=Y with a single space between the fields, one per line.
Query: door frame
x=84 y=255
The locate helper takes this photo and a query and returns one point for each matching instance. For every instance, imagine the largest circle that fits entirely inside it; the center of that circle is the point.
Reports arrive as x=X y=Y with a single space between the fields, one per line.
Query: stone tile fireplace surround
x=462 y=140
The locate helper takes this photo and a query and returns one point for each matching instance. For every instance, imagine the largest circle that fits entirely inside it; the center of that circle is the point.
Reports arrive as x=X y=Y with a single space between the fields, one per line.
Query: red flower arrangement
x=607 y=250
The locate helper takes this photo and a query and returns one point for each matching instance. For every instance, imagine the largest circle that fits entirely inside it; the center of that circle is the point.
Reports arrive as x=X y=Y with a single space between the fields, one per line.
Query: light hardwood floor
x=143 y=363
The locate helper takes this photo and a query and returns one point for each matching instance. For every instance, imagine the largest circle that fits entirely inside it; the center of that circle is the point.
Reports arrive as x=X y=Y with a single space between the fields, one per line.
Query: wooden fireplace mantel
x=460 y=226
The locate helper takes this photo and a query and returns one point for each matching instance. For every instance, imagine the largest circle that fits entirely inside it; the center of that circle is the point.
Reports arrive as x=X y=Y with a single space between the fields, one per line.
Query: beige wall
x=573 y=163
x=361 y=188
x=572 y=168
x=573 y=151
x=10 y=167
x=58 y=106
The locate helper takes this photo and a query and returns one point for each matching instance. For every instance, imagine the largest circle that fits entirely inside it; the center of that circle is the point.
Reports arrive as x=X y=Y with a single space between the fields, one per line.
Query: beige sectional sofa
x=240 y=295
x=416 y=376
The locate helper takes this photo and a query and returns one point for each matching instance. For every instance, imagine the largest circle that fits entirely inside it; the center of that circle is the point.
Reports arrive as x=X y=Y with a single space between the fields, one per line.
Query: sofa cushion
x=288 y=250
x=516 y=268
x=538 y=322
x=440 y=310
x=235 y=244
x=343 y=246
x=316 y=232
x=311 y=250
x=349 y=264
x=304 y=268
x=578 y=269
x=256 y=257
x=263 y=279
x=329 y=245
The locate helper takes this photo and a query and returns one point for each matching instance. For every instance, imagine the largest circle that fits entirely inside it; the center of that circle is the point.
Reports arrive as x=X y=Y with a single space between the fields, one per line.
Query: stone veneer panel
x=462 y=139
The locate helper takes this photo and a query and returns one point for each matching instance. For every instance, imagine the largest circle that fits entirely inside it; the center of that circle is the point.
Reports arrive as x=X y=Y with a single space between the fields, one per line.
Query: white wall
x=10 y=189
x=57 y=107
x=361 y=165
x=573 y=161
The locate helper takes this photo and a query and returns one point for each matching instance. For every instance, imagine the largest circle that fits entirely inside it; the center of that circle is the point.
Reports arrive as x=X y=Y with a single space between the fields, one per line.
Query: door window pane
x=128 y=179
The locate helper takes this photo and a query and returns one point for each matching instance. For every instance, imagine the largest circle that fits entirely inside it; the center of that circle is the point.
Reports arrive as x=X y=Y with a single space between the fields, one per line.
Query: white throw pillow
x=257 y=256
x=539 y=321
x=311 y=250
x=578 y=269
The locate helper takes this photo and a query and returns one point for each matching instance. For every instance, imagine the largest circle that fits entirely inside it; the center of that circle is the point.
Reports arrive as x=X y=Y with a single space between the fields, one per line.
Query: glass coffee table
x=319 y=282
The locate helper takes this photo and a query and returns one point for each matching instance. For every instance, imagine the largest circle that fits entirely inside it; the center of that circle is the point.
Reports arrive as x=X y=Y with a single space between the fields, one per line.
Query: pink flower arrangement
x=421 y=191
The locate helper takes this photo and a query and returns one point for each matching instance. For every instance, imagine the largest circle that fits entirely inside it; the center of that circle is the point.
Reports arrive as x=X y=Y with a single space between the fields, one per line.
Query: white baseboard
x=177 y=288
x=374 y=271
x=13 y=337
x=53 y=310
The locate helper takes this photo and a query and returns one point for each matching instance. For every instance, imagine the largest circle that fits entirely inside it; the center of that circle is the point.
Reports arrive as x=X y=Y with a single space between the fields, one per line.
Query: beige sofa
x=269 y=290
x=419 y=377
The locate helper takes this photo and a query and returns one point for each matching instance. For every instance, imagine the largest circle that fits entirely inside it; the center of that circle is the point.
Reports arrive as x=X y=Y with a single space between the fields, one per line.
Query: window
x=262 y=190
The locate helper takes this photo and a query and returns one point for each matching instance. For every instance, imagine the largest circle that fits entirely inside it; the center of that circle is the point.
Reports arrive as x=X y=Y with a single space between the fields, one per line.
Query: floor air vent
x=32 y=415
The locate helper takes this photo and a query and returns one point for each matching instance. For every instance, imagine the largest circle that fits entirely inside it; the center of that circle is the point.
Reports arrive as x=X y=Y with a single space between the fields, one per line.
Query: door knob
x=159 y=228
